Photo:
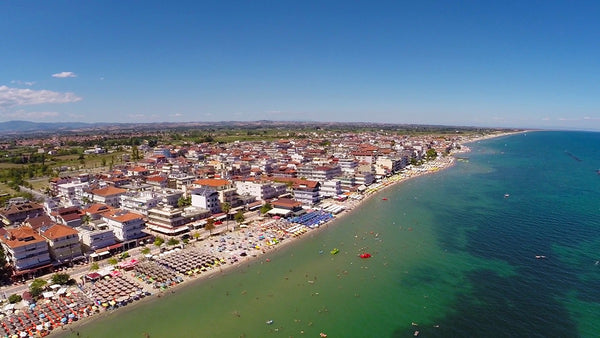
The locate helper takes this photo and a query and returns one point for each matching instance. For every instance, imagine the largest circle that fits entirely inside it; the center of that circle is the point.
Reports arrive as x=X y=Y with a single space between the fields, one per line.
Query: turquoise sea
x=451 y=257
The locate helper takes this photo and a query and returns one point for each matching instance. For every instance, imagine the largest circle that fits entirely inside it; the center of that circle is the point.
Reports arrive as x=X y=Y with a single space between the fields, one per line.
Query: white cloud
x=64 y=74
x=177 y=115
x=11 y=97
x=26 y=83
x=29 y=115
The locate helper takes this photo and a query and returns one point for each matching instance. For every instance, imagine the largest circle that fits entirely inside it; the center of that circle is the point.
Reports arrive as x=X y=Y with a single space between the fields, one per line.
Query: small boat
x=416 y=333
x=334 y=251
x=365 y=255
x=540 y=257
x=506 y=195
x=384 y=199
x=323 y=335
x=269 y=322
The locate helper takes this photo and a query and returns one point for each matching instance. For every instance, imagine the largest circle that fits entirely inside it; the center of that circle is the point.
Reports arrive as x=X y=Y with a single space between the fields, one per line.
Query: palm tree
x=226 y=207
x=239 y=217
x=86 y=219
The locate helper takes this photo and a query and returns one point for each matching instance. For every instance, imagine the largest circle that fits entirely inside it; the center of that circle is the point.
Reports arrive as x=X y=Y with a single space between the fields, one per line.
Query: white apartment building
x=347 y=165
x=260 y=189
x=97 y=236
x=365 y=178
x=331 y=188
x=108 y=195
x=125 y=225
x=206 y=198
x=140 y=202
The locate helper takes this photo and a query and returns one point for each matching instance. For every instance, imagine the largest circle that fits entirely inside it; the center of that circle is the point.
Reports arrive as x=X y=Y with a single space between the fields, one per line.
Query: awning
x=254 y=206
x=22 y=272
x=168 y=230
x=279 y=211
x=108 y=248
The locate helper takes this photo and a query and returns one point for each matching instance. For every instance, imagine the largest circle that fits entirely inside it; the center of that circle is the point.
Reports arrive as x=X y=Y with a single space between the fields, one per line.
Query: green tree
x=14 y=298
x=265 y=208
x=239 y=217
x=184 y=201
x=210 y=225
x=5 y=269
x=113 y=261
x=172 y=241
x=145 y=251
x=60 y=278
x=158 y=241
x=431 y=154
x=86 y=219
x=95 y=267
x=37 y=287
x=135 y=153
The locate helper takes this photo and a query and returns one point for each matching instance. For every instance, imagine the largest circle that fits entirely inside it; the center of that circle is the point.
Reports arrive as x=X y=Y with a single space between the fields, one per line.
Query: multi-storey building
x=140 y=202
x=206 y=198
x=126 y=225
x=331 y=188
x=25 y=249
x=347 y=165
x=262 y=190
x=174 y=221
x=318 y=173
x=108 y=195
x=97 y=236
x=225 y=188
x=365 y=178
x=307 y=192
x=15 y=213
x=63 y=242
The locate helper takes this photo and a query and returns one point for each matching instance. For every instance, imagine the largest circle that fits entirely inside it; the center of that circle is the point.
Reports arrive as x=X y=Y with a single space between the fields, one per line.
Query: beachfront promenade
x=144 y=275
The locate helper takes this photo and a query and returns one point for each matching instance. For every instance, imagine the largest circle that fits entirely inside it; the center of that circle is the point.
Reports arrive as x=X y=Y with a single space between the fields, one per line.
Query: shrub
x=14 y=298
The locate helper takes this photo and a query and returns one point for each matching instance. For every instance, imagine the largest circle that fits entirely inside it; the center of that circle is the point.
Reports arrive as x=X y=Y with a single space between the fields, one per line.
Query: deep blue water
x=552 y=210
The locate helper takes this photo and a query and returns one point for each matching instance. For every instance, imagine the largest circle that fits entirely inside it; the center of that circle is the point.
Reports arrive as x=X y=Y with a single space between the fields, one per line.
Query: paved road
x=35 y=193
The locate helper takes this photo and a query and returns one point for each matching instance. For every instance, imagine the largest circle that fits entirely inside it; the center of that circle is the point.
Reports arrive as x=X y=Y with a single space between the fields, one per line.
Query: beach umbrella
x=39 y=327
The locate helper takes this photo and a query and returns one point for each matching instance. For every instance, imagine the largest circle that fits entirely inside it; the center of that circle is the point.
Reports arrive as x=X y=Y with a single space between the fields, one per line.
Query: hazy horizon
x=490 y=64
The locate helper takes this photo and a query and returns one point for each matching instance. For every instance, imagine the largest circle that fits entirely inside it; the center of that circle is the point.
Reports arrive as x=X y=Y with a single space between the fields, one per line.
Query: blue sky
x=478 y=63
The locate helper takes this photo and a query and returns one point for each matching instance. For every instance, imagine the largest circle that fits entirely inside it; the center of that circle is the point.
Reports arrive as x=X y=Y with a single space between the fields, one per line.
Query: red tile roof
x=212 y=182
x=108 y=191
x=20 y=237
x=58 y=231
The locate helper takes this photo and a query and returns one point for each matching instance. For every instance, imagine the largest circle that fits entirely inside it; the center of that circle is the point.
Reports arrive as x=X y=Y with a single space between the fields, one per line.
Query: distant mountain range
x=11 y=127
x=15 y=128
